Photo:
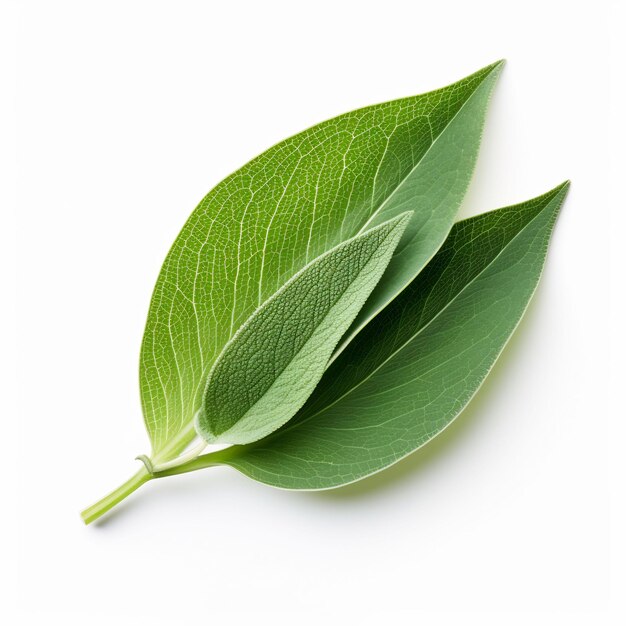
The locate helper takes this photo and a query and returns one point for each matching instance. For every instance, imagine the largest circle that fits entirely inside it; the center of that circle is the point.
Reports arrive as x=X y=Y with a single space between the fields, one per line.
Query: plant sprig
x=322 y=312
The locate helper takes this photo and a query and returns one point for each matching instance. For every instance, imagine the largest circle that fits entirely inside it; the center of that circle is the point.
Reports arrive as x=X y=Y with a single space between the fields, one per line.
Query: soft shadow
x=444 y=444
x=393 y=477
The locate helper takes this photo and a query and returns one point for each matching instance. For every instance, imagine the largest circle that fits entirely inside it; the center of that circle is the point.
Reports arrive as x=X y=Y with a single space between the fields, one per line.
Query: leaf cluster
x=321 y=310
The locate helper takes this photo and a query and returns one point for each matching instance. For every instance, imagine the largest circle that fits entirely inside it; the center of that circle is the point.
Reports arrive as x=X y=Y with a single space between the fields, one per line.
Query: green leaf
x=302 y=197
x=272 y=364
x=418 y=363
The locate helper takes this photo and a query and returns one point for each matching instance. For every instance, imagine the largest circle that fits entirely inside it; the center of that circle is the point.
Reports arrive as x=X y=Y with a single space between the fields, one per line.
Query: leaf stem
x=92 y=513
x=204 y=460
x=98 y=509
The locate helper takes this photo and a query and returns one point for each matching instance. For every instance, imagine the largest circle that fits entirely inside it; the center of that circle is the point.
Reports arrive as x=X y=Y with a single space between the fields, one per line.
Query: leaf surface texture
x=419 y=362
x=272 y=364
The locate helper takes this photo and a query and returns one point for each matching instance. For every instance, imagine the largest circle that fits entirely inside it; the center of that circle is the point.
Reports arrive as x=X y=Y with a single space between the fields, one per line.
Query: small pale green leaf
x=272 y=364
x=411 y=371
x=286 y=207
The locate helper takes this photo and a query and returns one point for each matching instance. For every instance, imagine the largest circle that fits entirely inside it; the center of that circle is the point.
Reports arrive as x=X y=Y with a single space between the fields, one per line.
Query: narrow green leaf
x=272 y=364
x=301 y=198
x=418 y=363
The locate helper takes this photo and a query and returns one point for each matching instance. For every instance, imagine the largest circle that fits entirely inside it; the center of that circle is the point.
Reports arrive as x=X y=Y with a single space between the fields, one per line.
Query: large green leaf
x=410 y=372
x=270 y=367
x=291 y=204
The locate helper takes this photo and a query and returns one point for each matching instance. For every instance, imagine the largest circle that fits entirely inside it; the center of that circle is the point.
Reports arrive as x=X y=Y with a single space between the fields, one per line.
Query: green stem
x=211 y=459
x=204 y=460
x=98 y=509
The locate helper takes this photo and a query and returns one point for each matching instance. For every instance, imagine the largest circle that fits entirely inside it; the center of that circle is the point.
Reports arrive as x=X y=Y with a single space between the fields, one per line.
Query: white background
x=125 y=114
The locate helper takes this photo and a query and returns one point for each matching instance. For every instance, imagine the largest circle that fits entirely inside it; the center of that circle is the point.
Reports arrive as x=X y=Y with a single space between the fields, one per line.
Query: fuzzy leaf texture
x=418 y=363
x=272 y=364
x=264 y=223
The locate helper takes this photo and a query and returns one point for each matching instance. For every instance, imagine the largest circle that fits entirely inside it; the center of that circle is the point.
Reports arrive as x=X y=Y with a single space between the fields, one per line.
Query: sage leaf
x=272 y=364
x=418 y=363
x=301 y=198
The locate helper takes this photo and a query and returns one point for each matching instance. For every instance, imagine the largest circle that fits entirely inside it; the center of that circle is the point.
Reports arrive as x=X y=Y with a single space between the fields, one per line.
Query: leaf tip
x=555 y=198
x=403 y=218
x=562 y=188
x=560 y=191
x=399 y=223
x=496 y=67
